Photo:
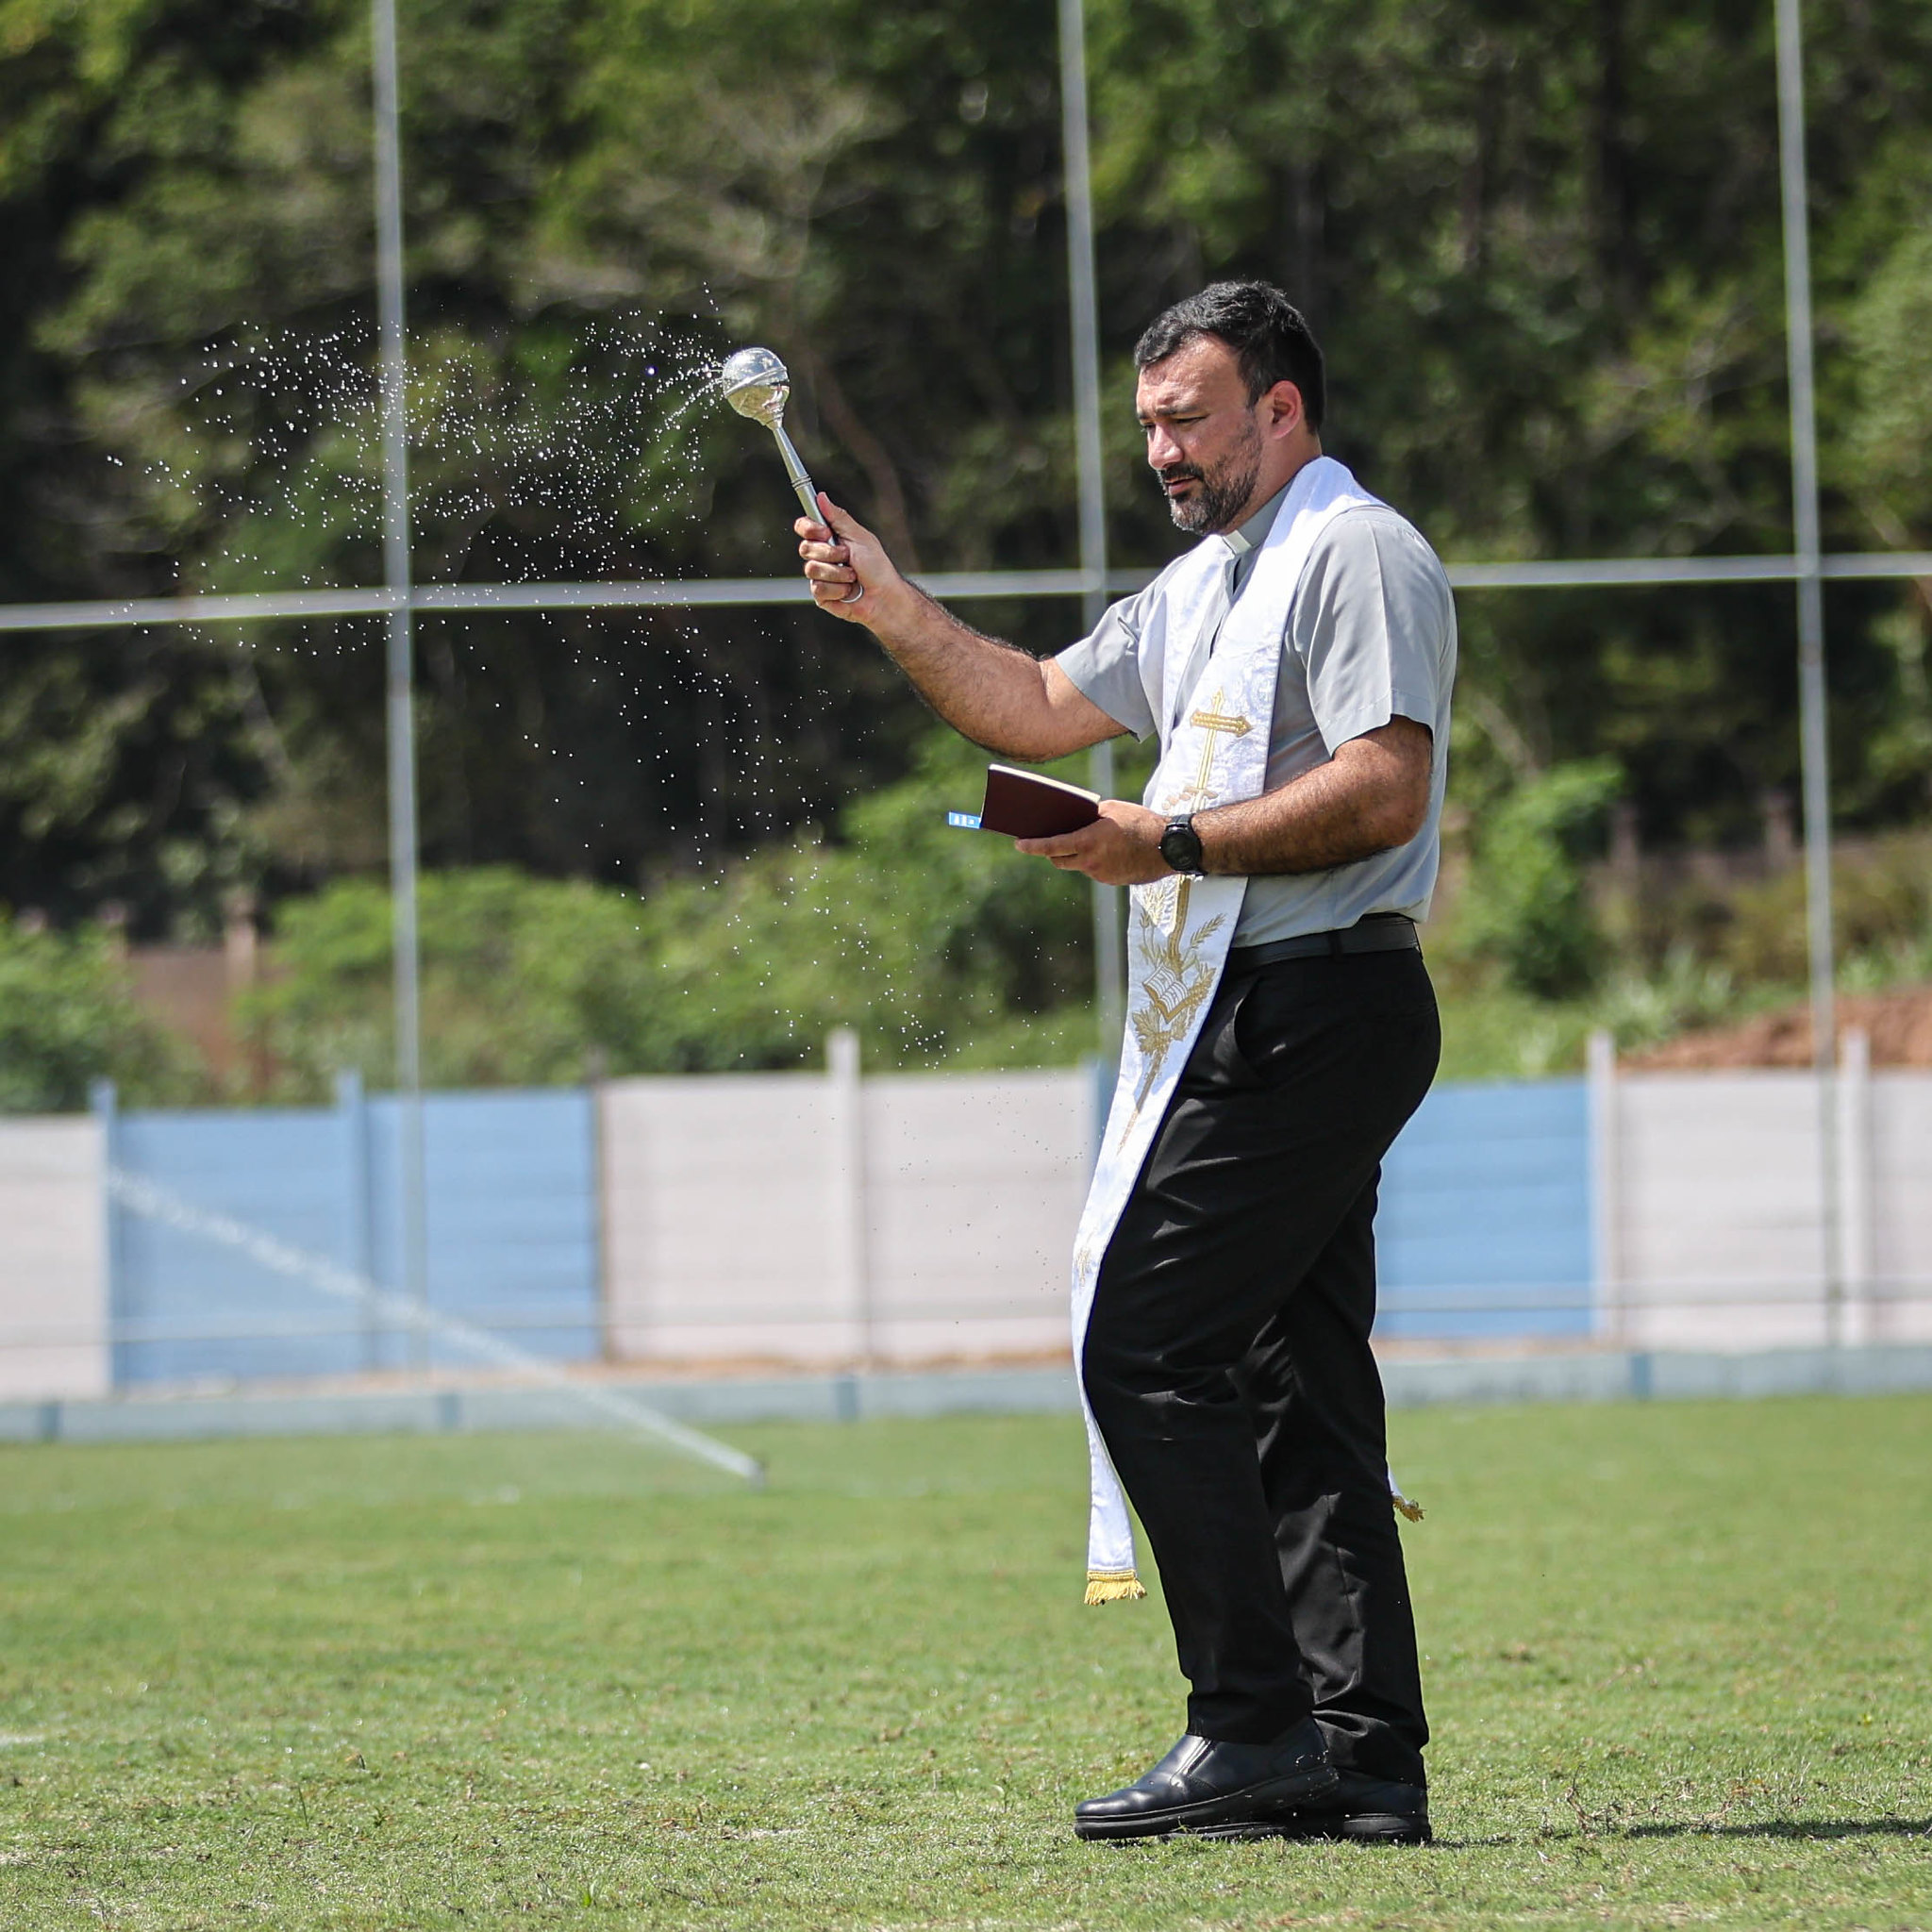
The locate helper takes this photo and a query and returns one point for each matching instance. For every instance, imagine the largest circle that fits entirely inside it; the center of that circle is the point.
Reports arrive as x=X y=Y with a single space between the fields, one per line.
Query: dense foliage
x=1543 y=248
x=939 y=946
x=68 y=1018
x=1541 y=244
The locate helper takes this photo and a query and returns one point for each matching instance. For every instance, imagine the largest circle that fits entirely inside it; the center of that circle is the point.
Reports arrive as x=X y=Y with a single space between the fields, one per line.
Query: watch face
x=1180 y=846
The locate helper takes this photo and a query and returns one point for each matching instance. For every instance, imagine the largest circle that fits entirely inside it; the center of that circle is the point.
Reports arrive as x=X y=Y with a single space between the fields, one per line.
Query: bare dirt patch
x=1899 y=1025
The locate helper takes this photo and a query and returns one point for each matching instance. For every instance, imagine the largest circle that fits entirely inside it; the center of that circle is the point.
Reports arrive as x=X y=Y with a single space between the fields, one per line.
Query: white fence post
x=1853 y=1148
x=851 y=1276
x=1606 y=1189
x=358 y=1251
x=104 y=1103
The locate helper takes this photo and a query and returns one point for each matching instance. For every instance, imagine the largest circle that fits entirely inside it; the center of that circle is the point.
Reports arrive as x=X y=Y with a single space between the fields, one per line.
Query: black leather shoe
x=1371 y=1810
x=1202 y=1783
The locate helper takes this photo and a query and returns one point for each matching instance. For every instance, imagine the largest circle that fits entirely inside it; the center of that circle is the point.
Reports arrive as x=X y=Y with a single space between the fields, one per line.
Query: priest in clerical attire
x=1295 y=665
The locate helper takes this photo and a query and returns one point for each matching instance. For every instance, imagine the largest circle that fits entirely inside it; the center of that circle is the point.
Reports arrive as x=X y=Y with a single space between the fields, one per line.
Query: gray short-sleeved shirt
x=1372 y=636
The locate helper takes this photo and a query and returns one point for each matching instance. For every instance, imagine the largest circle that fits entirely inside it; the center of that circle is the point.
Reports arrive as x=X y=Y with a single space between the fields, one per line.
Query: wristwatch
x=1180 y=845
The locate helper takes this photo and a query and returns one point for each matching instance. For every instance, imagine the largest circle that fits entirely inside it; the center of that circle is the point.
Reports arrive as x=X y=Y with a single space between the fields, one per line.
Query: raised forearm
x=995 y=692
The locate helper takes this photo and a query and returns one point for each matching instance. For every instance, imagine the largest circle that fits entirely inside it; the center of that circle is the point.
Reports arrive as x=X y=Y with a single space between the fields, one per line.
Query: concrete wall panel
x=718 y=1219
x=1720 y=1229
x=1899 y=1199
x=53 y=1259
x=724 y=1199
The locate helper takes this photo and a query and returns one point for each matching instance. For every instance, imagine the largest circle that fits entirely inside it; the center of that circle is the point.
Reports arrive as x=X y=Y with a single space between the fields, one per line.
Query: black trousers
x=1227 y=1358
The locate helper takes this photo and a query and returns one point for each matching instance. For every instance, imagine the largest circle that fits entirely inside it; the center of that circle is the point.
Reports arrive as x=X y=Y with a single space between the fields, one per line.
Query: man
x=1226 y=1360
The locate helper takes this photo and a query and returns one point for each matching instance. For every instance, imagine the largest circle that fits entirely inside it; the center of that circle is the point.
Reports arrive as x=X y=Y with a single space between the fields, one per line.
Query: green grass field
x=1680 y=1663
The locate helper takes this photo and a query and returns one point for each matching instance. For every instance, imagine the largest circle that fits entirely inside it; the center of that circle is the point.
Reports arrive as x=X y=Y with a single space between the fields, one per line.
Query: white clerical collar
x=1254 y=533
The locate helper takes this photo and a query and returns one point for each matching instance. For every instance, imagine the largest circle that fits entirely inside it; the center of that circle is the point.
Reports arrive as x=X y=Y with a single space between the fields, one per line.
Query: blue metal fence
x=1485 y=1222
x=1484 y=1229
x=511 y=1209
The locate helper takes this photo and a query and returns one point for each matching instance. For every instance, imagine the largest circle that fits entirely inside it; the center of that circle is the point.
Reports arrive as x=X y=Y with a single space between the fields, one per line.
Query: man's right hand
x=847 y=565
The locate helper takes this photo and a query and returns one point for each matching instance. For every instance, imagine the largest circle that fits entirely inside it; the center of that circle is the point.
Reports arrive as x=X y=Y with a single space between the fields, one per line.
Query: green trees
x=942 y=947
x=1530 y=907
x=67 y=1018
x=1541 y=246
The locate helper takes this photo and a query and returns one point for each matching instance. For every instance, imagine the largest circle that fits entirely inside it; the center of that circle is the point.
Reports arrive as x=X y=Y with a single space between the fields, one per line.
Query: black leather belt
x=1381 y=932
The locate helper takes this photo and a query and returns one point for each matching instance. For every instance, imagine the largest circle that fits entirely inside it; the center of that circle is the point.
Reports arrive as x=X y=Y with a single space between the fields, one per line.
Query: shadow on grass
x=1771 y=1828
x=1789 y=1828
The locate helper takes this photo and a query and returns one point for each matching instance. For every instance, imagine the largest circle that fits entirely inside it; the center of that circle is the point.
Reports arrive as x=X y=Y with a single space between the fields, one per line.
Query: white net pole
x=1813 y=733
x=393 y=383
x=1091 y=466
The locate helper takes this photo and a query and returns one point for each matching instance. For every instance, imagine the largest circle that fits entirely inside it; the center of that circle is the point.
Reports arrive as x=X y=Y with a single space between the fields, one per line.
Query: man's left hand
x=1122 y=847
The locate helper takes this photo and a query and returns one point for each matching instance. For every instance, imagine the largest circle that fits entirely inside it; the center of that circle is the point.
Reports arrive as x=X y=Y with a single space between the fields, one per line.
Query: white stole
x=1179 y=929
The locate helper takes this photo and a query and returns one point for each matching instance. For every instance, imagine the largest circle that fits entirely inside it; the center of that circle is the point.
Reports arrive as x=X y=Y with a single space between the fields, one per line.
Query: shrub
x=68 y=1018
x=1527 y=907
x=931 y=941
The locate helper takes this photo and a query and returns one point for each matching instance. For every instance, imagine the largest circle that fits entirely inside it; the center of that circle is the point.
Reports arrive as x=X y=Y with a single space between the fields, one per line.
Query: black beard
x=1224 y=493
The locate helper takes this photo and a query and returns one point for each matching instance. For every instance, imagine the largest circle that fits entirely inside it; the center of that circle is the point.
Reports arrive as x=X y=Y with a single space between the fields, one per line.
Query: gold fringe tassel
x=1412 y=1510
x=1112 y=1586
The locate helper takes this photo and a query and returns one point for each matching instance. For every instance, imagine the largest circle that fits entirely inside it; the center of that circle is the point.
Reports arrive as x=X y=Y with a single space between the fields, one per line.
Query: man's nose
x=1163 y=452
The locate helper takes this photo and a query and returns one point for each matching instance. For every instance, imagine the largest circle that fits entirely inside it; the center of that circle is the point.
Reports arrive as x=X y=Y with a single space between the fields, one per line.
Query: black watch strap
x=1180 y=845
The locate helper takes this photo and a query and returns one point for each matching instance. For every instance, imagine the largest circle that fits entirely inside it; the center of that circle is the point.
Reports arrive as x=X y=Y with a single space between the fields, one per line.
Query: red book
x=1024 y=805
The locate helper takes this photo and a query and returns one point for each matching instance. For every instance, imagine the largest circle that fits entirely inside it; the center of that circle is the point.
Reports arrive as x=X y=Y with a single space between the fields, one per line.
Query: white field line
x=153 y=1202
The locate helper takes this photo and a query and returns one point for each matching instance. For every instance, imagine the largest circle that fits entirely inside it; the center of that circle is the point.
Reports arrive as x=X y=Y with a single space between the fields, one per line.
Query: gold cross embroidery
x=1216 y=723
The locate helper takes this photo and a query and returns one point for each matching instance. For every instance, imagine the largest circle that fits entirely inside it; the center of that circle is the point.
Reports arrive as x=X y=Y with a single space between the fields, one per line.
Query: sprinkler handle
x=800 y=480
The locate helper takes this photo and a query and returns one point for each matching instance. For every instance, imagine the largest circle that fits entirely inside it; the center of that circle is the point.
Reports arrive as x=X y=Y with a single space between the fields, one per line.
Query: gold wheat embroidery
x=1175 y=981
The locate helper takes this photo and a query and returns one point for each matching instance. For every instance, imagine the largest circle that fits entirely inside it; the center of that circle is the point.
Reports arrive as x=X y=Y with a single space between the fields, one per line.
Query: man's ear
x=1284 y=404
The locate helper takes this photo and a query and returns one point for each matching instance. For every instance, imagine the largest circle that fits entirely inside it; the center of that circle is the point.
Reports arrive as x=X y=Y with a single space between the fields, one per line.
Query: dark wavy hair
x=1265 y=329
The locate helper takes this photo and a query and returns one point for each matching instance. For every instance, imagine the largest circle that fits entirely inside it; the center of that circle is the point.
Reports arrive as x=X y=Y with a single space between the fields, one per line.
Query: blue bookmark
x=968 y=821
